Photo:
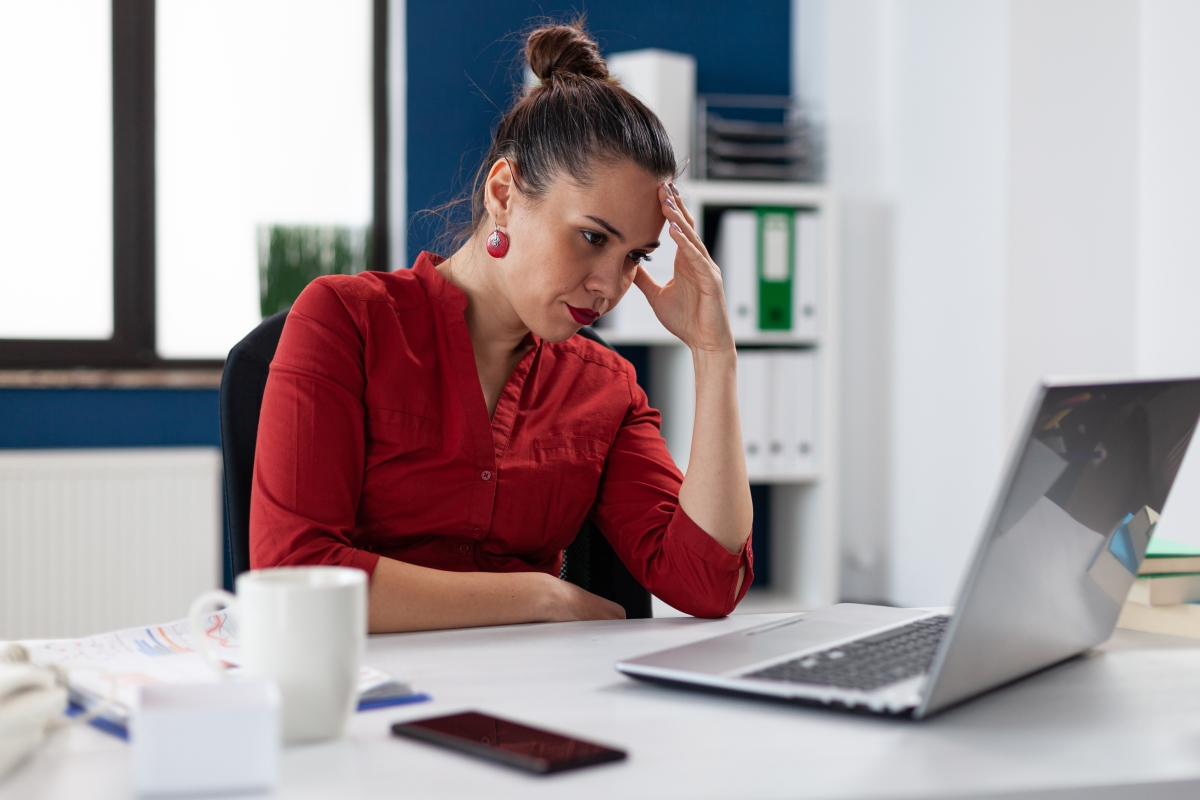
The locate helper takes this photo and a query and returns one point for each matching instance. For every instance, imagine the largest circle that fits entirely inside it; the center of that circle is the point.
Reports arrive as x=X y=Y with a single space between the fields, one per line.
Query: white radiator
x=95 y=540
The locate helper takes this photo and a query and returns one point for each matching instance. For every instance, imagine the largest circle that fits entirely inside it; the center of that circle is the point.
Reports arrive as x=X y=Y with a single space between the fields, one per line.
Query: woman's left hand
x=692 y=304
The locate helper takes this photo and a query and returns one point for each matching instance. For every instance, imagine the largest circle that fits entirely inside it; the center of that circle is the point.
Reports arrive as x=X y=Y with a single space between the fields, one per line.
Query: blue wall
x=41 y=418
x=464 y=59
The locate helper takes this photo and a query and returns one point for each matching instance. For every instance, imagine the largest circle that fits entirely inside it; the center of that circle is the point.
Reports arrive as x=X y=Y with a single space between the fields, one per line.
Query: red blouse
x=374 y=439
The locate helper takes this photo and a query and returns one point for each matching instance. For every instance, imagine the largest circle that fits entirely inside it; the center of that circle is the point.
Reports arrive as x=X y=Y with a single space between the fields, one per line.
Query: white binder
x=736 y=254
x=782 y=383
x=791 y=417
x=806 y=286
x=804 y=444
x=753 y=408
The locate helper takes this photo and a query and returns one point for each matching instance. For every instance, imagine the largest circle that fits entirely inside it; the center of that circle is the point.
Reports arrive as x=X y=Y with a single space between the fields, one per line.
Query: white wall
x=917 y=97
x=1018 y=179
x=1168 y=256
x=946 y=176
x=1073 y=192
x=1168 y=325
x=855 y=63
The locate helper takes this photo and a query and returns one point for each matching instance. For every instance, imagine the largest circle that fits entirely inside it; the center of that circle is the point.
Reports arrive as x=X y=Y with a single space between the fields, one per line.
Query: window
x=56 y=200
x=264 y=118
x=133 y=194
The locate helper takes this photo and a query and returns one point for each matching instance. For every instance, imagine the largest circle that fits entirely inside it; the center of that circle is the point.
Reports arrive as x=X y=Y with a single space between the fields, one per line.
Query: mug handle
x=211 y=598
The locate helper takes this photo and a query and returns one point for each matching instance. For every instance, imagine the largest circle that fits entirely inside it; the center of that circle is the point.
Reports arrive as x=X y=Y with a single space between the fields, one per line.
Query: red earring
x=497 y=243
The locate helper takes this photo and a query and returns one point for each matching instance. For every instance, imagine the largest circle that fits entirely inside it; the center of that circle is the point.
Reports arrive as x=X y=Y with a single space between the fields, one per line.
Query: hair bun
x=564 y=49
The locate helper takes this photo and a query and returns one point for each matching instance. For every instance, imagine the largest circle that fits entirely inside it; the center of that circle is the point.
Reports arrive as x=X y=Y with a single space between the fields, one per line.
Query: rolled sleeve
x=696 y=560
x=638 y=511
x=308 y=466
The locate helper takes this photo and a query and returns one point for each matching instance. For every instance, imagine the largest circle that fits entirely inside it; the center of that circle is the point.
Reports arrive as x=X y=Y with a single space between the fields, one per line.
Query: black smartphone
x=508 y=742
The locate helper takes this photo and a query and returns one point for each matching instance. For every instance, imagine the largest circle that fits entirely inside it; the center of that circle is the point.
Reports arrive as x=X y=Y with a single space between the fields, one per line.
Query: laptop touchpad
x=737 y=652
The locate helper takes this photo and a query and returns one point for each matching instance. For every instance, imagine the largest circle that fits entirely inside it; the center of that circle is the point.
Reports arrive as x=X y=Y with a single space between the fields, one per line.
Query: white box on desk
x=206 y=738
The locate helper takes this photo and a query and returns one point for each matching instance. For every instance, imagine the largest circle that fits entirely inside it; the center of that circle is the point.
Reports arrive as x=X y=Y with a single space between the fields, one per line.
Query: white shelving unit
x=804 y=551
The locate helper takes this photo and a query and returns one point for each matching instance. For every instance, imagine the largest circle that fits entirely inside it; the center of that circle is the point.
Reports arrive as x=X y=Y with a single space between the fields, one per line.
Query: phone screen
x=508 y=742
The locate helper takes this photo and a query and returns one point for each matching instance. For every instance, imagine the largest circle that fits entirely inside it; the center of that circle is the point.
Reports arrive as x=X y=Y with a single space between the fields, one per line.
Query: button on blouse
x=374 y=439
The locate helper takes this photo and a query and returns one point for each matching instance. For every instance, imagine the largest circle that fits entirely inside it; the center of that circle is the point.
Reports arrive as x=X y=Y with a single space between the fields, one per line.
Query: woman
x=443 y=429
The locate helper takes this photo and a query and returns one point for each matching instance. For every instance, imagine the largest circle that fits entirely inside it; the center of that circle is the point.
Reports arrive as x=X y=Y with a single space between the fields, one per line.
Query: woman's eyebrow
x=617 y=233
x=606 y=226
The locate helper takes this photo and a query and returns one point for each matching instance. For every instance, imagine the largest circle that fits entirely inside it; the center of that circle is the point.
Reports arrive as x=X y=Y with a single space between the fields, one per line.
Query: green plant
x=292 y=256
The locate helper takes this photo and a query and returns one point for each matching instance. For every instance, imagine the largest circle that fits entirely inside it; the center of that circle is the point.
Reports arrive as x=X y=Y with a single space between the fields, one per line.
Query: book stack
x=769 y=259
x=1165 y=598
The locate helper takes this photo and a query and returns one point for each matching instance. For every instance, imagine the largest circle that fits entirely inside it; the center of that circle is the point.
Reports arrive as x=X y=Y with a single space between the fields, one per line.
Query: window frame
x=133 y=344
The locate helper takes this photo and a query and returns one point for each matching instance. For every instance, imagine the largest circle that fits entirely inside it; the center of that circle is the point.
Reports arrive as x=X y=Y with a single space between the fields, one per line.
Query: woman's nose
x=609 y=282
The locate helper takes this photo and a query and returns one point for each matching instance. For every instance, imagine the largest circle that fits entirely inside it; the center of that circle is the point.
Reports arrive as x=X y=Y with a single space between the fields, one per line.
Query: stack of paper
x=770 y=265
x=777 y=404
x=116 y=663
x=1165 y=598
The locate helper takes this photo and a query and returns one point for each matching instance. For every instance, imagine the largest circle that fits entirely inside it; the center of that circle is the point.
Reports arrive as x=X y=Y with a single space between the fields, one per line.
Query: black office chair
x=589 y=562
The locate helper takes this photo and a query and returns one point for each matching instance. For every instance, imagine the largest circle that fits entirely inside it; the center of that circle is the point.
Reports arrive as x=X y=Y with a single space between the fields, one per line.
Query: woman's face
x=573 y=252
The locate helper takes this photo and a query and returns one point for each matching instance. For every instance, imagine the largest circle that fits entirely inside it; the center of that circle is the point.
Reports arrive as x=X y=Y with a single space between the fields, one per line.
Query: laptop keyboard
x=866 y=664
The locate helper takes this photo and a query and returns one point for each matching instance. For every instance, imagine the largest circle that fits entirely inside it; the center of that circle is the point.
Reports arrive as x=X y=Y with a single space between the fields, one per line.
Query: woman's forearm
x=716 y=490
x=406 y=597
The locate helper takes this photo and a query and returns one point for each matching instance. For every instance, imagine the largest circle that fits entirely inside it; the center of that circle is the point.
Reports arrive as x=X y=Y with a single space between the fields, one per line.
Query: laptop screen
x=1063 y=546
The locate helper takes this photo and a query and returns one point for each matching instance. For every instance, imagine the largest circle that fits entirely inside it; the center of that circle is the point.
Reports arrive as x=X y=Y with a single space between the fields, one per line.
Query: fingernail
x=671 y=204
x=675 y=225
x=674 y=191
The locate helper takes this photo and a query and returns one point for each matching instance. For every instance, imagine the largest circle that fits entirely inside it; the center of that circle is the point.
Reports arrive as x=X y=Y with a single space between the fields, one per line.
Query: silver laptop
x=1080 y=499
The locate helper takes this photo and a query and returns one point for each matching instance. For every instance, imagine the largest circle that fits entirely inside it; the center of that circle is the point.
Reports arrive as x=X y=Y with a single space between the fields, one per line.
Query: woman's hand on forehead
x=692 y=304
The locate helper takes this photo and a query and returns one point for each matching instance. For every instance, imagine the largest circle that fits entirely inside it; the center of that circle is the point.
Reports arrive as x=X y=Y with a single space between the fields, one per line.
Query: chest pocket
x=393 y=434
x=564 y=481
x=556 y=448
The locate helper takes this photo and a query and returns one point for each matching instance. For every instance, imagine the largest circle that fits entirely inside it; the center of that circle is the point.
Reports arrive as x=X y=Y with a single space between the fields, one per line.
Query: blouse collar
x=444 y=291
x=436 y=284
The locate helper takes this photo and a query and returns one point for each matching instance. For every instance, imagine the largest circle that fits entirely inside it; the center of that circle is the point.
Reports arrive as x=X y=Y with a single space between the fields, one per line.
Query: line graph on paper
x=138 y=656
x=114 y=649
x=157 y=654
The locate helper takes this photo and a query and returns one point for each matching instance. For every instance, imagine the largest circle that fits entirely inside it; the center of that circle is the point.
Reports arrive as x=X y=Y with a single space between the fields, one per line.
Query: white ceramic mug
x=306 y=629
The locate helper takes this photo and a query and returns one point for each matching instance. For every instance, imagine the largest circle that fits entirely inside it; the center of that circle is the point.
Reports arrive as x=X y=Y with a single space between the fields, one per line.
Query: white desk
x=1128 y=714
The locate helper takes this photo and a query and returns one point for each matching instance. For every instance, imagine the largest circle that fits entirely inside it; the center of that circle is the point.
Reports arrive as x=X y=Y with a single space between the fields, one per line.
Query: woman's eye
x=640 y=258
x=594 y=238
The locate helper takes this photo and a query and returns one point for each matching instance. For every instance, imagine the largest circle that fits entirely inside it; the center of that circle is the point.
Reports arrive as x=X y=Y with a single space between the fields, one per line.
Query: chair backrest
x=589 y=562
x=242 y=387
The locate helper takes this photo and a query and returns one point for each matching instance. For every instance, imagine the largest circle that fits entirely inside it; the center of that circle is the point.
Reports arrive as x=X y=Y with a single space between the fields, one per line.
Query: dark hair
x=575 y=117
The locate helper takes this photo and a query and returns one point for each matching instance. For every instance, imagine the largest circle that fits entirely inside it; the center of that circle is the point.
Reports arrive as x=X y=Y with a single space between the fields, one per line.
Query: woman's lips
x=584 y=316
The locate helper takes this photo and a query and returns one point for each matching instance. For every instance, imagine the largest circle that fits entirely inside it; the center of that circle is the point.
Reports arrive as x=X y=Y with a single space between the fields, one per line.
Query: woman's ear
x=499 y=191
